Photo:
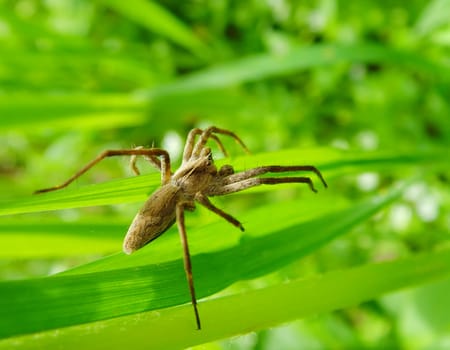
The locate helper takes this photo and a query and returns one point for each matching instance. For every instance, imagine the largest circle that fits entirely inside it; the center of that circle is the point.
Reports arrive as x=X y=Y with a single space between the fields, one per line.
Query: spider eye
x=210 y=159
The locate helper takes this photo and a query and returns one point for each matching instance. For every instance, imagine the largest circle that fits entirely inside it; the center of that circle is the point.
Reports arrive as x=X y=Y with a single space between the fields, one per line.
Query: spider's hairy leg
x=165 y=165
x=154 y=160
x=273 y=169
x=204 y=200
x=190 y=142
x=187 y=258
x=256 y=181
x=214 y=130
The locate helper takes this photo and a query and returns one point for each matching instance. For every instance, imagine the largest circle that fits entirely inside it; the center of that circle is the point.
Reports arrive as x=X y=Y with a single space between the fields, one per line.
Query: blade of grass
x=265 y=65
x=42 y=238
x=218 y=235
x=236 y=314
x=157 y=19
x=31 y=239
x=46 y=303
x=127 y=190
x=45 y=111
x=39 y=110
x=114 y=67
x=137 y=189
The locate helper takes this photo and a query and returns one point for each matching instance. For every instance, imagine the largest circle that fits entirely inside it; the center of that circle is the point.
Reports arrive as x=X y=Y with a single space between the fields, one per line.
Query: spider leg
x=157 y=152
x=206 y=134
x=187 y=258
x=256 y=181
x=154 y=160
x=272 y=169
x=204 y=200
x=190 y=142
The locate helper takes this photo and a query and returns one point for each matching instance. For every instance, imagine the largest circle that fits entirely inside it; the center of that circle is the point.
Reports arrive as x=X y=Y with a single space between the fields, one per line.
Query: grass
x=296 y=78
x=86 y=297
x=153 y=278
x=226 y=316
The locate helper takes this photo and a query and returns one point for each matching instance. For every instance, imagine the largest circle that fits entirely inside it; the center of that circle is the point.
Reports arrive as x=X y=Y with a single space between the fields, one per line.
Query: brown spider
x=195 y=180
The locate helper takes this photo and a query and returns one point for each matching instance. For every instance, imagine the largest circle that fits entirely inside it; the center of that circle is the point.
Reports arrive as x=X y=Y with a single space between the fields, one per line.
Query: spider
x=196 y=180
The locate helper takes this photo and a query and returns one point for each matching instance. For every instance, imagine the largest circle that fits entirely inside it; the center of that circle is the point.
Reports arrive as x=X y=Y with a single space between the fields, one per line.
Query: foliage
x=359 y=89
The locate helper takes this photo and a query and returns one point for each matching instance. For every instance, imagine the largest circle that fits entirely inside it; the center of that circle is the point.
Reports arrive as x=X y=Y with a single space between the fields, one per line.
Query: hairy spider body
x=196 y=180
x=154 y=218
x=192 y=181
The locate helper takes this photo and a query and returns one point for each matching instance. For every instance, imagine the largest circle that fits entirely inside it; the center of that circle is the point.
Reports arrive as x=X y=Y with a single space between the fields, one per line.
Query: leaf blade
x=155 y=328
x=72 y=299
x=156 y=18
x=265 y=65
x=136 y=189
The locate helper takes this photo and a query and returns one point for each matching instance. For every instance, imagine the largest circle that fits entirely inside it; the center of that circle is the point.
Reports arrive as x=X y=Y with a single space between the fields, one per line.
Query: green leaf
x=41 y=111
x=112 y=192
x=37 y=239
x=46 y=303
x=266 y=65
x=137 y=189
x=157 y=19
x=257 y=309
x=63 y=111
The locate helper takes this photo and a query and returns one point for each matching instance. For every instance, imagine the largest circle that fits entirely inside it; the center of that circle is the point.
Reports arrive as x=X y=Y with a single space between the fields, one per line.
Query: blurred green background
x=78 y=77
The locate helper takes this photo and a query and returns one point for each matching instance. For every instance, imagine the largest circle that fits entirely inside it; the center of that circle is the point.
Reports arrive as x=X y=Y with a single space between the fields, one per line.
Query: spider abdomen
x=154 y=218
